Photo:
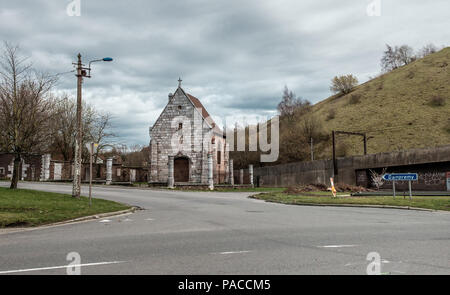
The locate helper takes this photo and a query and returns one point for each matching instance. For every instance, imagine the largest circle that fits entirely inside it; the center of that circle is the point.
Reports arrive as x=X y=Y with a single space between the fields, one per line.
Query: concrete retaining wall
x=428 y=161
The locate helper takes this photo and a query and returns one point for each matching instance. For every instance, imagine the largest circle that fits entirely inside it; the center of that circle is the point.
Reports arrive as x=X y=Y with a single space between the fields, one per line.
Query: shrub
x=447 y=127
x=410 y=75
x=342 y=150
x=437 y=101
x=355 y=98
x=380 y=85
x=343 y=84
x=331 y=115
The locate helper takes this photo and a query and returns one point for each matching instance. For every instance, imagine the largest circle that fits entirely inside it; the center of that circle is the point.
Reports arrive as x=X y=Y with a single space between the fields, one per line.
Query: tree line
x=34 y=118
x=398 y=56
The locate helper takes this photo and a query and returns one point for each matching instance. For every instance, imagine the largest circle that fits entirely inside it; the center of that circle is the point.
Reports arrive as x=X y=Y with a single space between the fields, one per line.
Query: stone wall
x=64 y=172
x=43 y=168
x=30 y=168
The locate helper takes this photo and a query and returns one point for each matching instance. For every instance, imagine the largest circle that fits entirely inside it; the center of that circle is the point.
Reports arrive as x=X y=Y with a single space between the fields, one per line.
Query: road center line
x=62 y=266
x=337 y=246
x=233 y=252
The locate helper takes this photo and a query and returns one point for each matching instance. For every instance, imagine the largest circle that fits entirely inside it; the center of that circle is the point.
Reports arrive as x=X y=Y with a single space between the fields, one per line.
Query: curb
x=7 y=230
x=97 y=216
x=355 y=205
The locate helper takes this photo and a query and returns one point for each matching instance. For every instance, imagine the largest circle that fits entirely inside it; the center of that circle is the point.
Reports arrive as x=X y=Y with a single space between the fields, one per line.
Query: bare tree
x=25 y=107
x=96 y=128
x=63 y=127
x=311 y=126
x=136 y=156
x=290 y=103
x=377 y=179
x=395 y=57
x=343 y=84
x=427 y=50
x=405 y=55
x=101 y=133
x=389 y=60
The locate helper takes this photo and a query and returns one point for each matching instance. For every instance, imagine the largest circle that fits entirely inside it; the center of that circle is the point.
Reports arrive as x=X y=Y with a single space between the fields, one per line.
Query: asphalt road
x=228 y=233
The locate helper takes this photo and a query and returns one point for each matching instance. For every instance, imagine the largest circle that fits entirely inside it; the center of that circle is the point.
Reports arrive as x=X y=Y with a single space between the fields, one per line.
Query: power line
x=63 y=73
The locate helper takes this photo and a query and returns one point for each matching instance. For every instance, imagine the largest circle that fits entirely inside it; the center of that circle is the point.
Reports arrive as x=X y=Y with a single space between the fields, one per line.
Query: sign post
x=401 y=177
x=92 y=147
x=333 y=189
x=393 y=187
x=448 y=181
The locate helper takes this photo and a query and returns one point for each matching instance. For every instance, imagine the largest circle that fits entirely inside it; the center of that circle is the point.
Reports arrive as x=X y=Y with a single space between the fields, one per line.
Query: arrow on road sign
x=401 y=177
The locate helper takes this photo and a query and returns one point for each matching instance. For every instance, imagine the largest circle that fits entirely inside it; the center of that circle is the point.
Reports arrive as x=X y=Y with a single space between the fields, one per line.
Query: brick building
x=37 y=167
x=30 y=167
x=186 y=132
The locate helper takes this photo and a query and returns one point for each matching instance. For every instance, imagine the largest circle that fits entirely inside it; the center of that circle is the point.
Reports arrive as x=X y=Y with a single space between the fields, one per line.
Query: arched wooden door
x=181 y=170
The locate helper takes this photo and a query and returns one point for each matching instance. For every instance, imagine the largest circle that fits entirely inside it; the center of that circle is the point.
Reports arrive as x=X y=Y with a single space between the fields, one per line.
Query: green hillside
x=406 y=108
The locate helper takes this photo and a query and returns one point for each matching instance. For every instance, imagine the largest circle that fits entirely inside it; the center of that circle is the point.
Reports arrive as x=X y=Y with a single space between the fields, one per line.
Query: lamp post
x=81 y=72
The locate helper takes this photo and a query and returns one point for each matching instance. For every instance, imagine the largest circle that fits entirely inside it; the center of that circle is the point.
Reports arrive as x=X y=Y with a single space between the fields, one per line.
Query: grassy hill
x=406 y=108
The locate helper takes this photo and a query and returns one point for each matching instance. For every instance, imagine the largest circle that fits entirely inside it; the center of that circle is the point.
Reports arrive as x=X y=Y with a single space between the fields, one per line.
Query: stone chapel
x=183 y=139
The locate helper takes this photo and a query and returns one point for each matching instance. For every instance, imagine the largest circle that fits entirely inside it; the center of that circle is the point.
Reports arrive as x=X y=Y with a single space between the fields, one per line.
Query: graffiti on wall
x=432 y=178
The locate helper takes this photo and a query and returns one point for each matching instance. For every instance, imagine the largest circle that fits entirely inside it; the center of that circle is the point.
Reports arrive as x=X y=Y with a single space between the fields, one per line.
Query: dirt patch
x=314 y=187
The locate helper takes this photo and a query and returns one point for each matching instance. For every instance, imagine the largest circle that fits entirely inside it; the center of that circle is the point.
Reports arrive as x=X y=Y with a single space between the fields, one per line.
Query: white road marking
x=358 y=263
x=61 y=266
x=128 y=219
x=149 y=219
x=397 y=271
x=105 y=220
x=337 y=246
x=233 y=252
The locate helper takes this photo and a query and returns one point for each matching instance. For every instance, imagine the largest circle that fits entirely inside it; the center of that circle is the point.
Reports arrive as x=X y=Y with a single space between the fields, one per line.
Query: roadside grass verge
x=23 y=207
x=434 y=203
x=234 y=189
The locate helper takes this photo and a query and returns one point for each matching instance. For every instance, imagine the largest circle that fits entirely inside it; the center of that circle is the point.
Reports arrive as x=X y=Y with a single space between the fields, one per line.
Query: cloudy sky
x=236 y=56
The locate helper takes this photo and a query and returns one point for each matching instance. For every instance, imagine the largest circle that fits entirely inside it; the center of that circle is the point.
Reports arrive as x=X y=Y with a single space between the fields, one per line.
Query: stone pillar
x=170 y=178
x=231 y=171
x=45 y=168
x=250 y=174
x=153 y=167
x=241 y=176
x=210 y=172
x=109 y=163
x=24 y=170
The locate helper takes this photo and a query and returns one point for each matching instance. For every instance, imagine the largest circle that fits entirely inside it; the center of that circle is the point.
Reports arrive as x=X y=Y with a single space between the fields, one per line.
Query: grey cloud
x=236 y=56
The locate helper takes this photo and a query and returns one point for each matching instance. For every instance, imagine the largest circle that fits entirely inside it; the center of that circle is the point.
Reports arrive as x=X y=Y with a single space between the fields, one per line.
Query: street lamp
x=81 y=72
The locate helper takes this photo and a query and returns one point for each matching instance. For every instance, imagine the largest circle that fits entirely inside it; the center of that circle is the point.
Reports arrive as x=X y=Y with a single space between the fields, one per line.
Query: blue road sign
x=401 y=177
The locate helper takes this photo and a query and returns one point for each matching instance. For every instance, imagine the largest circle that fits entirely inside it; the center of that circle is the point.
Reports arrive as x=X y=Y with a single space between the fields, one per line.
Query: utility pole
x=312 y=149
x=365 y=143
x=335 y=170
x=81 y=72
x=78 y=141
x=91 y=151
